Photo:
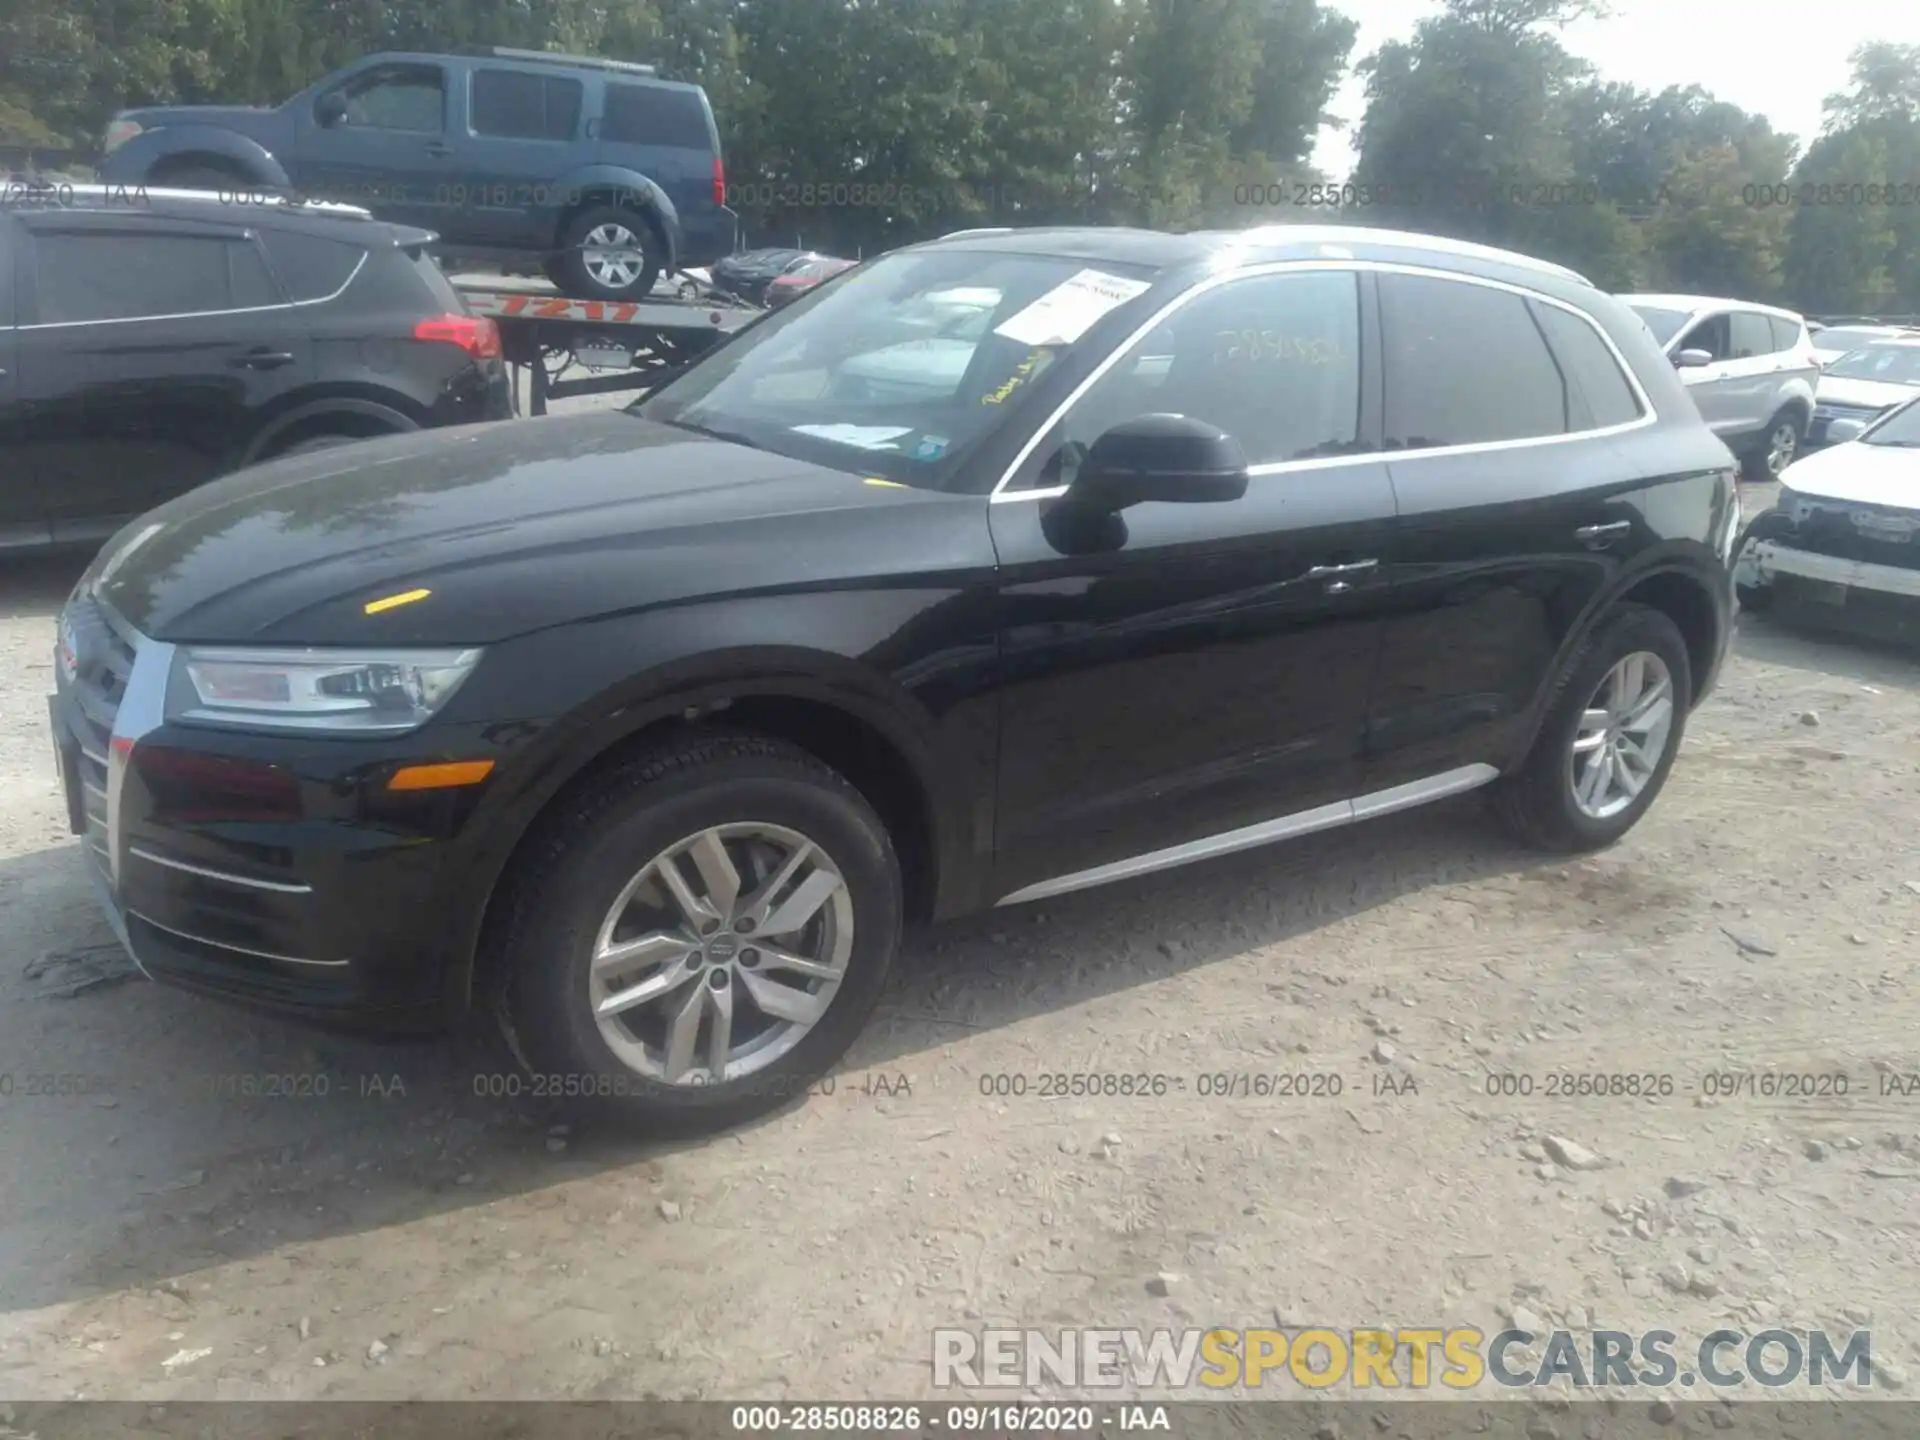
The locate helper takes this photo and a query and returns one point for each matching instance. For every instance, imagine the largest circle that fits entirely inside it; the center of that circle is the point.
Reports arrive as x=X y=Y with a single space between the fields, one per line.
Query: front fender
x=623 y=187
x=134 y=161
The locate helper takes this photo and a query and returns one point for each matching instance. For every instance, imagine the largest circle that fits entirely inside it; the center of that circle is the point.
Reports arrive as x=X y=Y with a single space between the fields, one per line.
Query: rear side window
x=131 y=276
x=311 y=266
x=1465 y=364
x=1599 y=393
x=1786 y=333
x=1751 y=335
x=517 y=106
x=655 y=115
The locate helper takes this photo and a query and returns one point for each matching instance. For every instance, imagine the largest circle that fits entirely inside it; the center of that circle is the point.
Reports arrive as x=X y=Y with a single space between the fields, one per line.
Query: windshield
x=1664 y=323
x=1846 y=338
x=1901 y=429
x=899 y=368
x=1894 y=364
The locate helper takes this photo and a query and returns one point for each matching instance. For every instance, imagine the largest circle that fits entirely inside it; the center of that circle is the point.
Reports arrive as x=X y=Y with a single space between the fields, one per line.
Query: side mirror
x=1160 y=457
x=1841 y=431
x=1692 y=359
x=330 y=109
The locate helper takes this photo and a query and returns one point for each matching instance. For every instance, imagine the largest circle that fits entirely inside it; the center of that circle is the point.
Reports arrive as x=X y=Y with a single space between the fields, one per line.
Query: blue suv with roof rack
x=598 y=170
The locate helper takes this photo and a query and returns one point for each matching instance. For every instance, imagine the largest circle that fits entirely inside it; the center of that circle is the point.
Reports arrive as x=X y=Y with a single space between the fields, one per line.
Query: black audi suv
x=650 y=729
x=153 y=339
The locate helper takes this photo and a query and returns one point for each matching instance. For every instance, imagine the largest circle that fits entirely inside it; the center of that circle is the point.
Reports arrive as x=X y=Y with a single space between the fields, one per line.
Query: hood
x=1868 y=394
x=247 y=119
x=511 y=527
x=1859 y=474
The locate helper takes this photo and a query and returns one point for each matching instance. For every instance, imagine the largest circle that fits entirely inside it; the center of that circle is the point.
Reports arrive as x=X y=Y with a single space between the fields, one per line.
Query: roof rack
x=554 y=57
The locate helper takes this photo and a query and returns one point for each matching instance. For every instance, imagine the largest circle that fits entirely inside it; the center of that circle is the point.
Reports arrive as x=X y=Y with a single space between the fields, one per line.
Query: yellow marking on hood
x=394 y=602
x=886 y=484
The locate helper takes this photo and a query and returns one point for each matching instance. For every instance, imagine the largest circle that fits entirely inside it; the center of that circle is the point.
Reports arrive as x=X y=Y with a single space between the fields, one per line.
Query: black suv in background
x=600 y=170
x=1000 y=567
x=151 y=340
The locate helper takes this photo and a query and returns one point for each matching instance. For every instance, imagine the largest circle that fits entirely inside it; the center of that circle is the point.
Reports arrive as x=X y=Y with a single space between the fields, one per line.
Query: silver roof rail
x=983 y=230
x=554 y=57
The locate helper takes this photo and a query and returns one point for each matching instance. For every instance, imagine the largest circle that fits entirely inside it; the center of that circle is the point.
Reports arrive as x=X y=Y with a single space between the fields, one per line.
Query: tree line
x=855 y=125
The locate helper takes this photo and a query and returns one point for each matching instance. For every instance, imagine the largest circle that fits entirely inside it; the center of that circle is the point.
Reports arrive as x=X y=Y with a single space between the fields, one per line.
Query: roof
x=1160 y=249
x=1693 y=304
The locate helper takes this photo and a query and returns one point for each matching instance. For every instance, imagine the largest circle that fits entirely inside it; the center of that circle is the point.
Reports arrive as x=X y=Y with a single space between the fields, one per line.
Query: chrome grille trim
x=282 y=887
x=236 y=949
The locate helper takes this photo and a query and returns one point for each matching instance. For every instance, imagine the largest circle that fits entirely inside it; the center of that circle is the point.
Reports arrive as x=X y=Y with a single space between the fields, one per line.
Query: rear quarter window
x=655 y=115
x=311 y=267
x=1599 y=394
x=1786 y=334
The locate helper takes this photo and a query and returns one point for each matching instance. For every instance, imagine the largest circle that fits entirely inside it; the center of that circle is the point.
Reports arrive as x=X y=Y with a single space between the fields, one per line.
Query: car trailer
x=629 y=344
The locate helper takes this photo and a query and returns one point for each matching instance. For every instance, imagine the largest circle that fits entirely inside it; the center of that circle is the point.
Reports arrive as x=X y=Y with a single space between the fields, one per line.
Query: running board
x=1304 y=822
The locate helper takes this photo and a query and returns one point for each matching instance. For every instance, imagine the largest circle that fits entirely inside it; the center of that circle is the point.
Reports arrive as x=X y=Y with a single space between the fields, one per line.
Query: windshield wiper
x=731 y=437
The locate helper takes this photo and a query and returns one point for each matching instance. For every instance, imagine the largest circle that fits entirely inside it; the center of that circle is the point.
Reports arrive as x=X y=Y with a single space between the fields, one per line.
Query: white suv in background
x=1750 y=368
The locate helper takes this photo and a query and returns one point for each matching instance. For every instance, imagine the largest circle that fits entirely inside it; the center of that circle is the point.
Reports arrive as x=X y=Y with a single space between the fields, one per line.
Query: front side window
x=1710 y=335
x=1752 y=335
x=1466 y=364
x=130 y=276
x=900 y=368
x=514 y=105
x=1895 y=364
x=397 y=97
x=1662 y=322
x=1273 y=360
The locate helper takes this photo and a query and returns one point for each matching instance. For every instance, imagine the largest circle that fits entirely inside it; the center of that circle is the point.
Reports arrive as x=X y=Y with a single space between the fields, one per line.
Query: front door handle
x=438 y=149
x=263 y=359
x=1599 y=535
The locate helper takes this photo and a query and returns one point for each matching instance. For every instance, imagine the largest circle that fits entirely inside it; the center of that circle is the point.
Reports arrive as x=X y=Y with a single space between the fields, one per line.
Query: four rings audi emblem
x=69 y=651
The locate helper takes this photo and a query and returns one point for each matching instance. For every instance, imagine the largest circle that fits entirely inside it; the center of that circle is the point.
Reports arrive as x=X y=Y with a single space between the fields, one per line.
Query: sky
x=1776 y=57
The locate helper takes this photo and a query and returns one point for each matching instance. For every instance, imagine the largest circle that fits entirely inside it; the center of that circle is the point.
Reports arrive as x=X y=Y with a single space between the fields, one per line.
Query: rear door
x=391 y=152
x=153 y=352
x=516 y=142
x=1514 y=509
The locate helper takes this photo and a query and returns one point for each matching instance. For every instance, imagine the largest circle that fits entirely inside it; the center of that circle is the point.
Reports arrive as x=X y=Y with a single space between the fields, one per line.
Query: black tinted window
x=397 y=97
x=1465 y=364
x=519 y=106
x=310 y=266
x=655 y=115
x=1274 y=361
x=126 y=276
x=1786 y=334
x=1751 y=335
x=1600 y=393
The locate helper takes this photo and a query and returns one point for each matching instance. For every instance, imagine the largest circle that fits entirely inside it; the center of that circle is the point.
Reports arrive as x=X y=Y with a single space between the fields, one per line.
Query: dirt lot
x=404 y=1236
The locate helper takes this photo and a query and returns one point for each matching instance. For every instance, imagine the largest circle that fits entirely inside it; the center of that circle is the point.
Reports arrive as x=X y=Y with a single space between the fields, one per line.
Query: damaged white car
x=1843 y=541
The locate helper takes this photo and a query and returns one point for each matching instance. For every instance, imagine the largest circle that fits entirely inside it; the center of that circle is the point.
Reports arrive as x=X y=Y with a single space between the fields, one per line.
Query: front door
x=390 y=152
x=1722 y=389
x=1191 y=670
x=152 y=352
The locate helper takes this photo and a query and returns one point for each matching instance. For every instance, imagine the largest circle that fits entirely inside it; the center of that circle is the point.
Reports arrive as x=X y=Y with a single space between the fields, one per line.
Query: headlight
x=349 y=692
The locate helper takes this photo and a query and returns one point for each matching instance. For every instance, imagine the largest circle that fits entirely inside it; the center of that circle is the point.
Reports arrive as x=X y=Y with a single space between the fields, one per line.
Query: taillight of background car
x=719 y=181
x=475 y=334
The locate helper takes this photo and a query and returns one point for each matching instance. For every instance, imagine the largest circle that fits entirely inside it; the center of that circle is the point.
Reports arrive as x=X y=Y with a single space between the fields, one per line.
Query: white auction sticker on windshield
x=863 y=437
x=1069 y=310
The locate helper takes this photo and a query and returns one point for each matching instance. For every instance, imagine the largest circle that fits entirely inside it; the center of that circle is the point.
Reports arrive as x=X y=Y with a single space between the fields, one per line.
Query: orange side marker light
x=448 y=776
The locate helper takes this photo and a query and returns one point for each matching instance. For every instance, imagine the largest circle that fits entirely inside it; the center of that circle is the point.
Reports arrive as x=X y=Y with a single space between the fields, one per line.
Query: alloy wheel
x=1622 y=736
x=613 y=255
x=721 y=954
x=1781 y=446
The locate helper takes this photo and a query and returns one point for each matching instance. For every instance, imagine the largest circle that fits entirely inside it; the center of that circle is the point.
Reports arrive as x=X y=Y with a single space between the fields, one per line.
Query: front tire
x=607 y=253
x=700 y=936
x=1611 y=733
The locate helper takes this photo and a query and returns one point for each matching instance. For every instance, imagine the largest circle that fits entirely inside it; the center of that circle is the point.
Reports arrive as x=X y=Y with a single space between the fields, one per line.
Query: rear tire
x=590 y=265
x=708 y=806
x=1546 y=802
x=1778 y=447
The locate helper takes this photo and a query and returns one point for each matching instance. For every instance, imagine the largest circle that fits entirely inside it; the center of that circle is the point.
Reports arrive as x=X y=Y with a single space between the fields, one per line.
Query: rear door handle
x=1598 y=535
x=263 y=359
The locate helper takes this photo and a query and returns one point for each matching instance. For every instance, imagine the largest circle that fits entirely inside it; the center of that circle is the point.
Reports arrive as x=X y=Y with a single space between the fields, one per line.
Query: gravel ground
x=164 y=1238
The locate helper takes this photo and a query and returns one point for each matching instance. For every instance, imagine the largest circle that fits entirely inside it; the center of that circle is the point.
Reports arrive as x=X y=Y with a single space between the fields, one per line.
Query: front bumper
x=272 y=871
x=1861 y=595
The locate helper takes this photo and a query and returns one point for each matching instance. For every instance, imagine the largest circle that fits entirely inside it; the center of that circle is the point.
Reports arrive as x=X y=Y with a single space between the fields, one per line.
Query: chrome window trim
x=353 y=275
x=1649 y=415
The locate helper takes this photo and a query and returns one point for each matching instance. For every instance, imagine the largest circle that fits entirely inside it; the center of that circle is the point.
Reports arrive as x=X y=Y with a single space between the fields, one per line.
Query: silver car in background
x=1750 y=368
x=1862 y=385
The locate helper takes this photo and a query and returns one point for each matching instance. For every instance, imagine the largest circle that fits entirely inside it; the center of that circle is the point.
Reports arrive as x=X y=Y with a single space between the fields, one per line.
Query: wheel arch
x=858 y=735
x=626 y=189
x=172 y=147
x=355 y=415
